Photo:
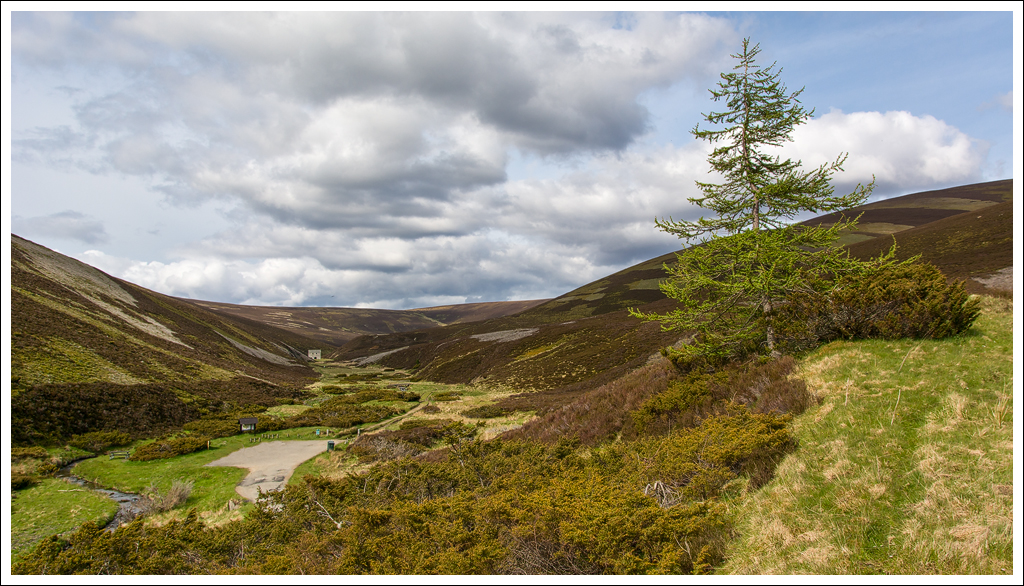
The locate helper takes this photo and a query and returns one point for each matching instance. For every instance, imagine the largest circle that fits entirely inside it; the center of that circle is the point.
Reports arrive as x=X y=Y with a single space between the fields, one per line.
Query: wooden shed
x=247 y=424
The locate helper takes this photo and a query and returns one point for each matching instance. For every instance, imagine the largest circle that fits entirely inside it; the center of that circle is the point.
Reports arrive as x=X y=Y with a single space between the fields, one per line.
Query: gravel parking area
x=270 y=464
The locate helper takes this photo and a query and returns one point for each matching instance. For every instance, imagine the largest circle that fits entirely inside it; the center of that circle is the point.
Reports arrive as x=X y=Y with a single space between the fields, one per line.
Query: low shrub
x=155 y=502
x=36 y=452
x=21 y=481
x=762 y=386
x=213 y=428
x=904 y=300
x=424 y=432
x=445 y=396
x=375 y=448
x=340 y=414
x=376 y=394
x=98 y=441
x=486 y=412
x=168 y=448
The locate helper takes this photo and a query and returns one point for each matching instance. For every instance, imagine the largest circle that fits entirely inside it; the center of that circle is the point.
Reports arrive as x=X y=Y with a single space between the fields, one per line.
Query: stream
x=126 y=501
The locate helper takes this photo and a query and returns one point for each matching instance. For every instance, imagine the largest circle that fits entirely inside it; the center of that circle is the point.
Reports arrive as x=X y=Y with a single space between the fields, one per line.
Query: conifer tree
x=749 y=255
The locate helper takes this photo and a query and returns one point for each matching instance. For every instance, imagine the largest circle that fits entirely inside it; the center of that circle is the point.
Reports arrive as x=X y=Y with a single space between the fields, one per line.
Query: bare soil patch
x=1001 y=280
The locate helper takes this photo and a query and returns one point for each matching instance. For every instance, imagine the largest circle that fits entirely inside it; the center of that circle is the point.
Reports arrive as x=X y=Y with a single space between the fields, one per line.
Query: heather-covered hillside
x=88 y=344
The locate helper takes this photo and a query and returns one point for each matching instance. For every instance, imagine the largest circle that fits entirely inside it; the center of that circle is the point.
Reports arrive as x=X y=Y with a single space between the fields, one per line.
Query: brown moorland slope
x=583 y=339
x=970 y=246
x=85 y=342
x=333 y=326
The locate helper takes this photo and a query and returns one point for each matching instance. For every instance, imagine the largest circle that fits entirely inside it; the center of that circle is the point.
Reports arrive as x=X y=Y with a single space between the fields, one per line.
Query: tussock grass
x=906 y=467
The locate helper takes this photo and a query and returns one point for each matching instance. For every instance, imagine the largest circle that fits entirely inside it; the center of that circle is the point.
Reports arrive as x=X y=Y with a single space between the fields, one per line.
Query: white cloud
x=904 y=152
x=364 y=156
x=66 y=225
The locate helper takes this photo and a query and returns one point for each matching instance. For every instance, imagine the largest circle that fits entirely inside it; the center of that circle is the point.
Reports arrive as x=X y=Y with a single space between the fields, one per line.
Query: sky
x=404 y=160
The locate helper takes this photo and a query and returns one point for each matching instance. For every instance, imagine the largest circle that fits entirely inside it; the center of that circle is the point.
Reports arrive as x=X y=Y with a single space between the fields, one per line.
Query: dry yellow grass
x=906 y=466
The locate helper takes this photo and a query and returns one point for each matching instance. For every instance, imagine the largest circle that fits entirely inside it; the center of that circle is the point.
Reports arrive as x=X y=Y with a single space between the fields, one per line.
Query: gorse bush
x=374 y=448
x=508 y=507
x=226 y=424
x=761 y=386
x=21 y=481
x=34 y=452
x=340 y=413
x=420 y=434
x=901 y=300
x=486 y=412
x=97 y=441
x=445 y=396
x=367 y=395
x=213 y=428
x=599 y=414
x=168 y=448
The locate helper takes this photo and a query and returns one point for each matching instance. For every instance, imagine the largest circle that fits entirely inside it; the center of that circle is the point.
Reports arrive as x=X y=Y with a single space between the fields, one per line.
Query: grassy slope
x=72 y=323
x=921 y=487
x=54 y=506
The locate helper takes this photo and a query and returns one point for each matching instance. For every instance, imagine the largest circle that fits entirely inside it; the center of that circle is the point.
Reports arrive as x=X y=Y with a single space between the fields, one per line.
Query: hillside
x=586 y=338
x=966 y=231
x=334 y=326
x=80 y=337
x=596 y=454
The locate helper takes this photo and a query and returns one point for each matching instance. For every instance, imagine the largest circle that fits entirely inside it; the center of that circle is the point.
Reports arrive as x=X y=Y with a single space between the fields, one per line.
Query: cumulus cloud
x=365 y=156
x=66 y=225
x=902 y=151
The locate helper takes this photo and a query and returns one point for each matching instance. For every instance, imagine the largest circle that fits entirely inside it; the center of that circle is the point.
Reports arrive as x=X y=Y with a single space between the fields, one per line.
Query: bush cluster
x=377 y=394
x=20 y=481
x=763 y=386
x=168 y=448
x=34 y=452
x=156 y=502
x=905 y=300
x=213 y=427
x=98 y=441
x=499 y=507
x=339 y=414
x=446 y=396
x=412 y=438
x=486 y=412
x=379 y=447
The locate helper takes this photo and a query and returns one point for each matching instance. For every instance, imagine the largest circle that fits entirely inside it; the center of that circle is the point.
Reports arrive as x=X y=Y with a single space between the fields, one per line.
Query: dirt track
x=270 y=464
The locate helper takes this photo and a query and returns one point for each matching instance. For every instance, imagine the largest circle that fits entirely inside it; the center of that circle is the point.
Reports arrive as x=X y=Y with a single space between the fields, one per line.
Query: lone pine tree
x=749 y=256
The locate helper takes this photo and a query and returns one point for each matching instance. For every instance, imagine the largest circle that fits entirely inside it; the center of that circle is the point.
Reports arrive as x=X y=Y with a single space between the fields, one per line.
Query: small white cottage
x=314 y=354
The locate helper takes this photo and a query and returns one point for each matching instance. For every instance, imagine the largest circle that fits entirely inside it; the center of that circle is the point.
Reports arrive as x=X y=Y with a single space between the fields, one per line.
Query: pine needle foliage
x=749 y=256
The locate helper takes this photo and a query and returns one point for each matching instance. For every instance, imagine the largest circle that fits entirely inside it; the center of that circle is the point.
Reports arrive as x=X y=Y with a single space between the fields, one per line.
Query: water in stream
x=128 y=503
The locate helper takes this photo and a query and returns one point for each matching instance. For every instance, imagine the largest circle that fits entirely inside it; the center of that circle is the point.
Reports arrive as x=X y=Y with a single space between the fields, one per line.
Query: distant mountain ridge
x=337 y=325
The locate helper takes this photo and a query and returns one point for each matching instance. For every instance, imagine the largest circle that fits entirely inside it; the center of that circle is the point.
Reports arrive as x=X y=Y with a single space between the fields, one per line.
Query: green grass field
x=906 y=466
x=54 y=506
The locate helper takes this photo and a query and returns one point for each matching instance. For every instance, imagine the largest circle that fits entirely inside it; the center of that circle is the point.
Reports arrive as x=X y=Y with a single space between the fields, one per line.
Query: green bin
x=330 y=446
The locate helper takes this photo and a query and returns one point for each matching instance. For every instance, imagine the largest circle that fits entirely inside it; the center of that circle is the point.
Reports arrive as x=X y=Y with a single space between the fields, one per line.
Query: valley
x=548 y=436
